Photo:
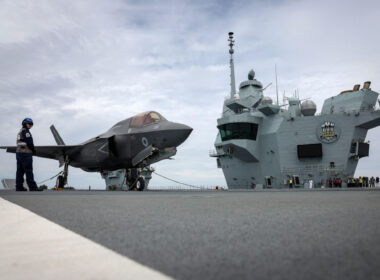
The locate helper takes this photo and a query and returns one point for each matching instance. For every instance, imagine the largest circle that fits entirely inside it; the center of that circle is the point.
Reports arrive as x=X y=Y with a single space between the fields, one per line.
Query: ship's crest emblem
x=328 y=132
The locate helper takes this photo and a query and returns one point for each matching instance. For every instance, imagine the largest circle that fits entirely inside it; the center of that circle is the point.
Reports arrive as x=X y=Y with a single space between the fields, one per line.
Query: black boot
x=35 y=190
x=21 y=189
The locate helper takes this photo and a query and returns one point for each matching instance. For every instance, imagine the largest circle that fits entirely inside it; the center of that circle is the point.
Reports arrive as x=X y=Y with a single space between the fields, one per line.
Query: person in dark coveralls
x=24 y=155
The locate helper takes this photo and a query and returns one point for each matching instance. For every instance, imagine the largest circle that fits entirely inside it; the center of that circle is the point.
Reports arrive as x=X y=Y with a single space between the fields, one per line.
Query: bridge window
x=146 y=118
x=238 y=131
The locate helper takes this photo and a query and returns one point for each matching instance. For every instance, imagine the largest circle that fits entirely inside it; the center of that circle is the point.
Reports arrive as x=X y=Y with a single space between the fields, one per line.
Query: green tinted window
x=238 y=131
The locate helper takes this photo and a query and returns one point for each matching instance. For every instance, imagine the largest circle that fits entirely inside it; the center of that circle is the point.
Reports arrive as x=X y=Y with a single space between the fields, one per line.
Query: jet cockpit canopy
x=146 y=118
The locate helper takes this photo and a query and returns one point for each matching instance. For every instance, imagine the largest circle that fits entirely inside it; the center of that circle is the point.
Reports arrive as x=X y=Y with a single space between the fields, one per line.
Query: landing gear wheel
x=140 y=184
x=60 y=183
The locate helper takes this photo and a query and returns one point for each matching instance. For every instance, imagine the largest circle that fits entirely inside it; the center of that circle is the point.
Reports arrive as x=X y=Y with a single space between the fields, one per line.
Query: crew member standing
x=24 y=155
x=291 y=183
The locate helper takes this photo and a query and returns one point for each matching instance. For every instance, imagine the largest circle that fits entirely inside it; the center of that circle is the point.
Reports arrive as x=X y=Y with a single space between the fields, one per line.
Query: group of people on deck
x=335 y=182
x=363 y=182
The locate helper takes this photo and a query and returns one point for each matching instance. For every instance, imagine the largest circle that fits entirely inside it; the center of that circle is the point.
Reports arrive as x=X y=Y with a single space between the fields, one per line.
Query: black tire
x=140 y=184
x=60 y=182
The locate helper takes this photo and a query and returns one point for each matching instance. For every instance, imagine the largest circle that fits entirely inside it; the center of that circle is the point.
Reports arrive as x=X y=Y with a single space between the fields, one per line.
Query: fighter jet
x=132 y=144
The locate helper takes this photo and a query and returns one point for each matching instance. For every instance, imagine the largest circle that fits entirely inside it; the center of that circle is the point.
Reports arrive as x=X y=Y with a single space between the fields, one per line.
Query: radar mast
x=231 y=44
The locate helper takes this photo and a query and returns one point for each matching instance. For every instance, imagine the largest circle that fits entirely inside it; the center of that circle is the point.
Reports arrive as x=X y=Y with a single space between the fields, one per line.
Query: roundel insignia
x=328 y=132
x=144 y=141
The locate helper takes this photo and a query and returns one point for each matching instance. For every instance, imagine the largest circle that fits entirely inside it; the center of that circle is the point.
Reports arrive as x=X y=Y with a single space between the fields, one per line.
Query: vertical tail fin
x=56 y=135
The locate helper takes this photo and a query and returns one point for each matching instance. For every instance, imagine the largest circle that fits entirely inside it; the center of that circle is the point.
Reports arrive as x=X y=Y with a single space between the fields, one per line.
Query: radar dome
x=267 y=100
x=308 y=108
x=251 y=75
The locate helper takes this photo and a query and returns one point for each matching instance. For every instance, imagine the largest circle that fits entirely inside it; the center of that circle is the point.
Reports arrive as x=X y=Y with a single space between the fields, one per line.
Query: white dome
x=308 y=108
x=267 y=100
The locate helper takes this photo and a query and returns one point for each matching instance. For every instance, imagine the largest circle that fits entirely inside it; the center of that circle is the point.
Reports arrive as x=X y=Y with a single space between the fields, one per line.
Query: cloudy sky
x=85 y=65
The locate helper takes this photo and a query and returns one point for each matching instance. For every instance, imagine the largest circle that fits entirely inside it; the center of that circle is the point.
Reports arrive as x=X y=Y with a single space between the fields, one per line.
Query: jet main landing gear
x=61 y=181
x=138 y=185
x=138 y=178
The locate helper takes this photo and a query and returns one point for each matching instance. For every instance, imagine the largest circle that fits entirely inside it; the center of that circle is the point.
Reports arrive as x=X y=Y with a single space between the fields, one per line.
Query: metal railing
x=186 y=188
x=310 y=169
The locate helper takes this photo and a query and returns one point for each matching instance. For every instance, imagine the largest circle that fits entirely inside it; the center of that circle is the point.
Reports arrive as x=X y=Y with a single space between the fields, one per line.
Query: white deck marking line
x=32 y=247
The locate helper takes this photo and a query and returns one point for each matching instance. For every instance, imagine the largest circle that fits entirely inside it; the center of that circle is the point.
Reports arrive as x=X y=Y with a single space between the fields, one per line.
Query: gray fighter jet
x=132 y=144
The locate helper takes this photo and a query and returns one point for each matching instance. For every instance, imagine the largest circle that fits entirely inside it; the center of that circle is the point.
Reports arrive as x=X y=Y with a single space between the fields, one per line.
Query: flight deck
x=268 y=234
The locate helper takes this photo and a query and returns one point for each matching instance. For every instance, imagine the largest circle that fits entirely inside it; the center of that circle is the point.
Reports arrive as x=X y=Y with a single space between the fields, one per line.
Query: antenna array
x=231 y=51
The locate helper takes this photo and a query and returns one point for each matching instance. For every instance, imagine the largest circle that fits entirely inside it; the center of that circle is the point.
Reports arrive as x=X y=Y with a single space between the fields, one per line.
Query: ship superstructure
x=262 y=144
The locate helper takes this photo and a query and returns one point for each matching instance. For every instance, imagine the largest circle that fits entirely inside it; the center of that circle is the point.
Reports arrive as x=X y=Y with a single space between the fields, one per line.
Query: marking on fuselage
x=144 y=141
x=101 y=149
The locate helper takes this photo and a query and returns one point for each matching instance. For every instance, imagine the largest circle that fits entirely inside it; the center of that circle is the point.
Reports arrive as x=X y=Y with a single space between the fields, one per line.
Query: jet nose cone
x=186 y=130
x=180 y=133
x=183 y=132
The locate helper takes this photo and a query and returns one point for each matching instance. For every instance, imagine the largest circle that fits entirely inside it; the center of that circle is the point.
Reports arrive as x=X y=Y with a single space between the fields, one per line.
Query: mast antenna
x=275 y=71
x=231 y=44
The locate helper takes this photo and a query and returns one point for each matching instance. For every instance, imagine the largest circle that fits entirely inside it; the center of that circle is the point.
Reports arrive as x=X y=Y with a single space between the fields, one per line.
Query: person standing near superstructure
x=290 y=183
x=24 y=156
x=372 y=182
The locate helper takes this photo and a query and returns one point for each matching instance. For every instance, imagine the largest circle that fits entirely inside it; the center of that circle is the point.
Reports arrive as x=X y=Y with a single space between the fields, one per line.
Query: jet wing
x=52 y=152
